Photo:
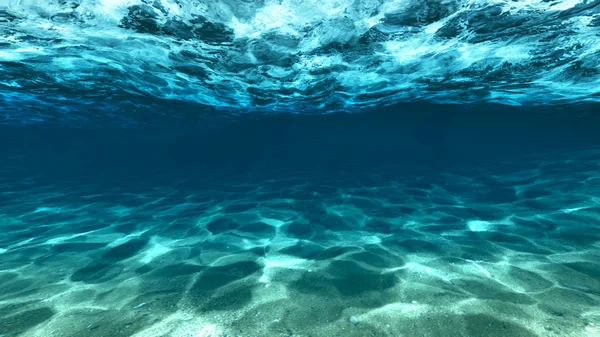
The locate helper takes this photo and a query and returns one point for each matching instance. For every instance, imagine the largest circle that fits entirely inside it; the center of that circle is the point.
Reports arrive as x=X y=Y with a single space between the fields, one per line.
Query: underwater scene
x=258 y=168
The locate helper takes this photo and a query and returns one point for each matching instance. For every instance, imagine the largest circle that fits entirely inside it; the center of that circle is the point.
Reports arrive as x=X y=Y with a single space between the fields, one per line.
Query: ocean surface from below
x=77 y=61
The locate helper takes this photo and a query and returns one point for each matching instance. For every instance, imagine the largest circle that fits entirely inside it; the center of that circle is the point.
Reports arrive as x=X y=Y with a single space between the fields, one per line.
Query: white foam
x=298 y=31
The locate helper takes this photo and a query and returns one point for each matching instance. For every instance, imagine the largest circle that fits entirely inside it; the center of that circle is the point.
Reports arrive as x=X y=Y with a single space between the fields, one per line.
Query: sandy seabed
x=504 y=250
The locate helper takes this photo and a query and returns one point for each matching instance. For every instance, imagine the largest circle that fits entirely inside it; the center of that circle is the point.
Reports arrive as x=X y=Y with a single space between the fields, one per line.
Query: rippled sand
x=511 y=249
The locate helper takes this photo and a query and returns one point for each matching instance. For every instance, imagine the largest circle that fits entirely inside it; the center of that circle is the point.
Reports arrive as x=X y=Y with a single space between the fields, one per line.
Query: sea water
x=282 y=168
x=405 y=222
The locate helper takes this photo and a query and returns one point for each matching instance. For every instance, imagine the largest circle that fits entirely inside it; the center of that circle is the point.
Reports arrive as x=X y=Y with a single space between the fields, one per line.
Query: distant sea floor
x=504 y=249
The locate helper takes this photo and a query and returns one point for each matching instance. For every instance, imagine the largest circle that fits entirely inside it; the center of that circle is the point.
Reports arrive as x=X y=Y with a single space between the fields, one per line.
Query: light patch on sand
x=282 y=242
x=416 y=267
x=177 y=209
x=574 y=209
x=273 y=222
x=47 y=209
x=182 y=325
x=60 y=239
x=124 y=239
x=428 y=272
x=21 y=243
x=3 y=250
x=282 y=261
x=121 y=211
x=591 y=330
x=405 y=310
x=349 y=212
x=371 y=240
x=482 y=270
x=154 y=251
x=479 y=226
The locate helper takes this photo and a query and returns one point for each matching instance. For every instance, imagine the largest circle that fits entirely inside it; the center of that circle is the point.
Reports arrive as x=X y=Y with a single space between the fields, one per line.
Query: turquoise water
x=444 y=223
x=308 y=168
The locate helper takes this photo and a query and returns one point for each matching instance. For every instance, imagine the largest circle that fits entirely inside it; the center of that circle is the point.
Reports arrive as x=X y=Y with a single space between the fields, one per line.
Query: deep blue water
x=414 y=220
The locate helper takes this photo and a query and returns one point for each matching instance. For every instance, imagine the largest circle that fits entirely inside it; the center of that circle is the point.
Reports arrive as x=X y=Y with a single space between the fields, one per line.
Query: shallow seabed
x=501 y=249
